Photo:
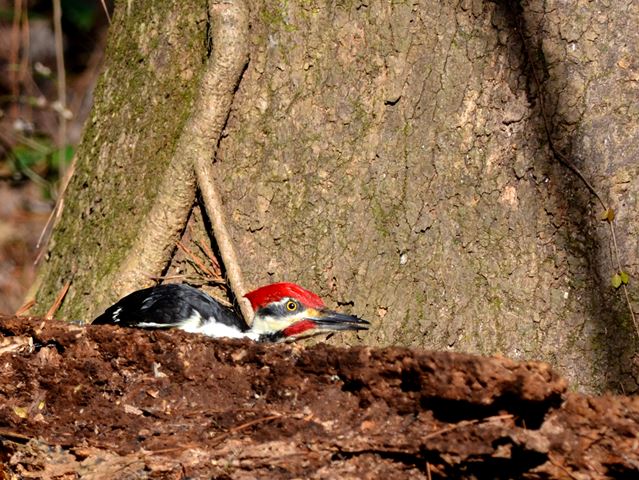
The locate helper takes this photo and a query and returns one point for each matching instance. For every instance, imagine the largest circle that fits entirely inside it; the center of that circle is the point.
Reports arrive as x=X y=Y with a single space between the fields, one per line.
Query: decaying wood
x=104 y=402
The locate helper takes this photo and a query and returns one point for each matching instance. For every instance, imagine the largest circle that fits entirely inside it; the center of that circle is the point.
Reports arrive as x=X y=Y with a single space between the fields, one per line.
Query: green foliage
x=80 y=13
x=608 y=215
x=40 y=161
x=6 y=14
x=26 y=157
x=61 y=157
x=619 y=279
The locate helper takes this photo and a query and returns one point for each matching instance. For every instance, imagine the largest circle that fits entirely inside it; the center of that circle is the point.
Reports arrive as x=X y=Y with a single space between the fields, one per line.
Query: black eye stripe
x=280 y=309
x=268 y=311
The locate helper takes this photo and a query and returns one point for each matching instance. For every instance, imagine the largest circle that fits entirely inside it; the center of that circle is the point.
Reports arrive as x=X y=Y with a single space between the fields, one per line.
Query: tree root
x=190 y=166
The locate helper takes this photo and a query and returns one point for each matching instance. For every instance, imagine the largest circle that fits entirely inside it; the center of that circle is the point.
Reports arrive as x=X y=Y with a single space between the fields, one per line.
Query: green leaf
x=27 y=157
x=608 y=215
x=616 y=281
x=625 y=278
x=80 y=13
x=62 y=156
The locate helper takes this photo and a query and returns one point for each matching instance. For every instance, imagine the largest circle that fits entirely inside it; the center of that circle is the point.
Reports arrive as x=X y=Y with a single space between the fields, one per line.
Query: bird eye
x=291 y=306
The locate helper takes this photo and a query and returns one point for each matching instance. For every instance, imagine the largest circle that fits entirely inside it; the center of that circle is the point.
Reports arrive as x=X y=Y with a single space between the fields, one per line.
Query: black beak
x=334 y=321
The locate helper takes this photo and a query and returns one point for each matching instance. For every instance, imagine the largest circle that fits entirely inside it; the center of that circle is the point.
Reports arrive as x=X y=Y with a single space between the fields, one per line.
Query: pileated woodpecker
x=282 y=311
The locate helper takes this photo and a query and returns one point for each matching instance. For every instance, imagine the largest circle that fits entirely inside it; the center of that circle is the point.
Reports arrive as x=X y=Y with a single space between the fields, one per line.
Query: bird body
x=283 y=311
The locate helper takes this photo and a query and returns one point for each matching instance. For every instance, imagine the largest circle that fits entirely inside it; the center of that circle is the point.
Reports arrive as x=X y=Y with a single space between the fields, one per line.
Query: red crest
x=277 y=291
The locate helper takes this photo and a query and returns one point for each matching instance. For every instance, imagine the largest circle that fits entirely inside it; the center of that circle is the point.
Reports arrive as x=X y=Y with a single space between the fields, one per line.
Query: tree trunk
x=408 y=160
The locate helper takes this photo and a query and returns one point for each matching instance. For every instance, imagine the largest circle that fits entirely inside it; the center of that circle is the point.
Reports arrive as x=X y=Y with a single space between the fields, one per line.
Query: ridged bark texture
x=394 y=157
x=397 y=161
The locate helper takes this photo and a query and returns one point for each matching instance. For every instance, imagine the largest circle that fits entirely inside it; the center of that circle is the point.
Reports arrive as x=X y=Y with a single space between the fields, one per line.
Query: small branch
x=62 y=79
x=56 y=213
x=467 y=423
x=158 y=278
x=216 y=440
x=106 y=11
x=210 y=256
x=230 y=43
x=213 y=206
x=557 y=464
x=210 y=274
x=26 y=306
x=14 y=51
x=58 y=301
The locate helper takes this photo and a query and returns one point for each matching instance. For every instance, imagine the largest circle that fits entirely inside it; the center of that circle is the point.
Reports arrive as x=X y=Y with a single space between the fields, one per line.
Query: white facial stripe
x=270 y=323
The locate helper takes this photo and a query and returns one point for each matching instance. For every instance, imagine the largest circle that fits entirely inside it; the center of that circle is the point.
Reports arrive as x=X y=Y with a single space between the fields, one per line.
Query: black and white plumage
x=175 y=305
x=283 y=311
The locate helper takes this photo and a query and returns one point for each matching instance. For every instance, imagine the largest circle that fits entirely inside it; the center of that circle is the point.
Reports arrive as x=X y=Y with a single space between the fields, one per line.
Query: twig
x=466 y=423
x=26 y=306
x=25 y=61
x=62 y=80
x=546 y=121
x=244 y=426
x=52 y=216
x=632 y=312
x=619 y=269
x=561 y=467
x=171 y=450
x=58 y=301
x=195 y=259
x=82 y=85
x=213 y=206
x=14 y=51
x=210 y=255
x=15 y=436
x=216 y=440
x=56 y=213
x=106 y=11
x=166 y=277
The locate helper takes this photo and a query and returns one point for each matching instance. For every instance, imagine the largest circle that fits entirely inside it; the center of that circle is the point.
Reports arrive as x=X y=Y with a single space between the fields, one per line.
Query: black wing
x=166 y=306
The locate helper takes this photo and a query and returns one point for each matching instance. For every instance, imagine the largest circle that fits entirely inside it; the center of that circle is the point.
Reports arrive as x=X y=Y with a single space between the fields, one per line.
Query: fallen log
x=102 y=402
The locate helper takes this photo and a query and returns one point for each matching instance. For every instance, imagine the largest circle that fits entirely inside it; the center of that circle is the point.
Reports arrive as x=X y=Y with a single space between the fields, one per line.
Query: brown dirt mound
x=103 y=403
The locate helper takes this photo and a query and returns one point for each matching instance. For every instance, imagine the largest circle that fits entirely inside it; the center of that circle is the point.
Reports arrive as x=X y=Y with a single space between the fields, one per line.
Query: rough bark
x=104 y=403
x=395 y=158
x=585 y=57
x=128 y=161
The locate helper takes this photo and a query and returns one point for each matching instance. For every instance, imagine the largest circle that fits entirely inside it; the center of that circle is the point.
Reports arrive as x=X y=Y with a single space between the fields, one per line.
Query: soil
x=100 y=402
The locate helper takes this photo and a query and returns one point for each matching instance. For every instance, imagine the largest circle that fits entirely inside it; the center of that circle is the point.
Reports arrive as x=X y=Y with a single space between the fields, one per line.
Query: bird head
x=286 y=311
